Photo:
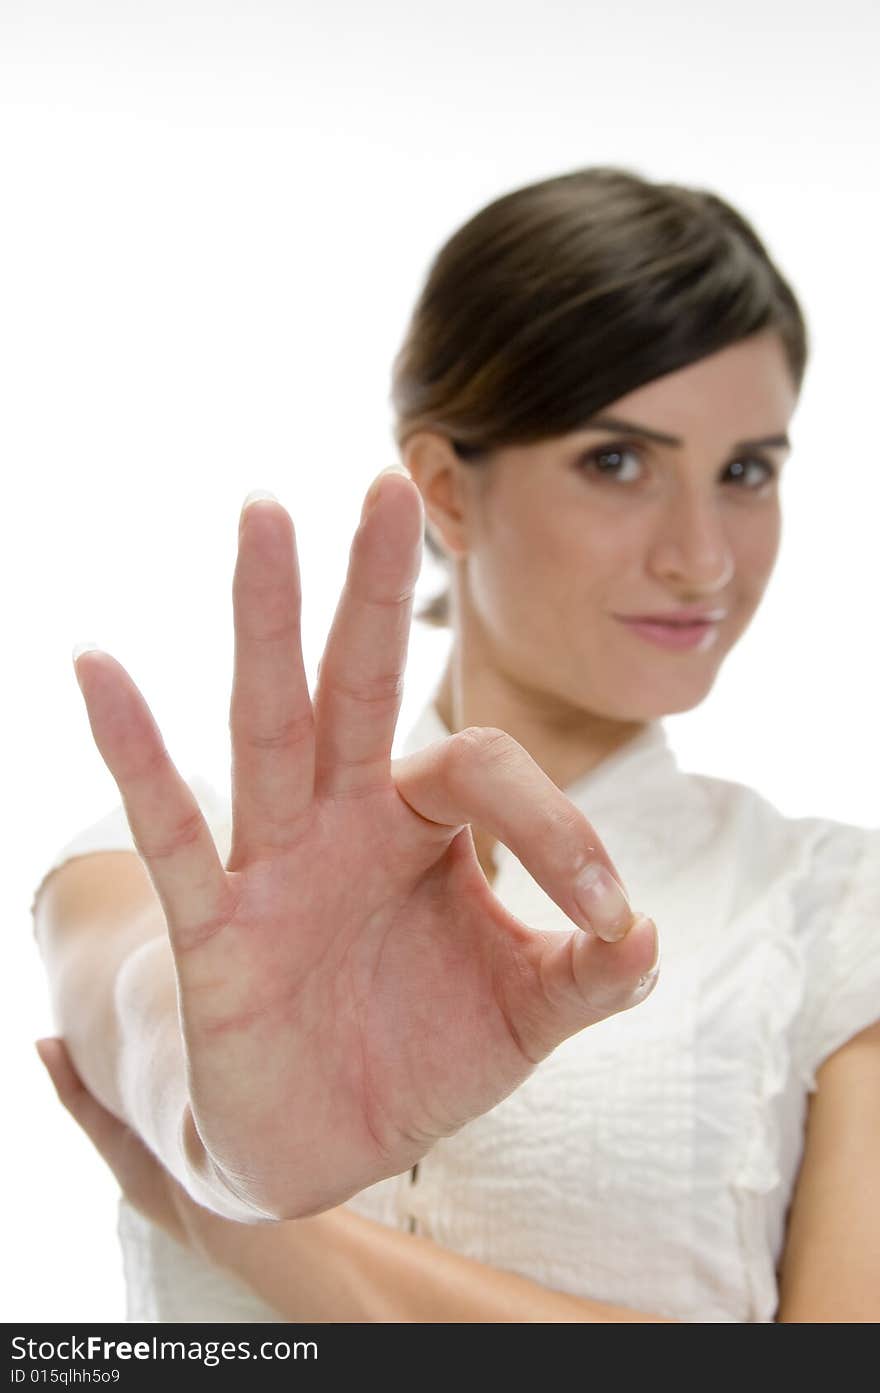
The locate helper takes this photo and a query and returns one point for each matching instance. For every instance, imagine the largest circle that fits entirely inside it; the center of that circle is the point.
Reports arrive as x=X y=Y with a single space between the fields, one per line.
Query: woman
x=593 y=401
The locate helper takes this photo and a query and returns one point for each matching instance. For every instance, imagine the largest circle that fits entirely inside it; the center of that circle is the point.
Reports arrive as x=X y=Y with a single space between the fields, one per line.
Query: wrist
x=152 y=1081
x=152 y=1078
x=207 y=1184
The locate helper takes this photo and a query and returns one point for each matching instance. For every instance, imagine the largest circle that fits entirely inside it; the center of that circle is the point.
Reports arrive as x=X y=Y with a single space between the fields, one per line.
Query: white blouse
x=650 y=1160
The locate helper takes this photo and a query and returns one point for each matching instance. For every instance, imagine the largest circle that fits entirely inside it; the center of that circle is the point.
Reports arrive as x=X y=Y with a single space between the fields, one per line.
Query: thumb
x=580 y=979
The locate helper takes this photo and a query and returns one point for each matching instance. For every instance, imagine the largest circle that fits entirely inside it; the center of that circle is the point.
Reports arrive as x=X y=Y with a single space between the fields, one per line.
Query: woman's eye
x=618 y=462
x=765 y=472
x=608 y=461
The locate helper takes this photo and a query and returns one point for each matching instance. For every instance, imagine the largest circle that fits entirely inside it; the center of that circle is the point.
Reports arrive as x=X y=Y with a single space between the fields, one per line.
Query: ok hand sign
x=350 y=988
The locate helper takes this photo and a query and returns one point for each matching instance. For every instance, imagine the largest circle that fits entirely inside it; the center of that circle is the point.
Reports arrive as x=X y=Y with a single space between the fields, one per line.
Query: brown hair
x=563 y=296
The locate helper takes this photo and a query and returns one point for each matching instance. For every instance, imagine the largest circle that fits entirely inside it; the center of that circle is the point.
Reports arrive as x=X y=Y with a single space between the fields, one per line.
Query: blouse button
x=413 y=1180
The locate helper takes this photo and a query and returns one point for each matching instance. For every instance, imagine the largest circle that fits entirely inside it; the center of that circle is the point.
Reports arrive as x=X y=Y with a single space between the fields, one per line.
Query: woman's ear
x=439 y=476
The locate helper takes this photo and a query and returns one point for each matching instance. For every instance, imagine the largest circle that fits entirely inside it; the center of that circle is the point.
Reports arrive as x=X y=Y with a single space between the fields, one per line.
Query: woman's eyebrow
x=615 y=423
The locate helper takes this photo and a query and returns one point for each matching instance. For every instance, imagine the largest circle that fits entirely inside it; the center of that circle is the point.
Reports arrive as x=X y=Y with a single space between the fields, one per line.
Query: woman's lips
x=678 y=637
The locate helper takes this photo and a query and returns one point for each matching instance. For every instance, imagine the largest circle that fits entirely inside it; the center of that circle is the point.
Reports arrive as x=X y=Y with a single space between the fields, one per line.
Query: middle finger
x=360 y=681
x=271 y=719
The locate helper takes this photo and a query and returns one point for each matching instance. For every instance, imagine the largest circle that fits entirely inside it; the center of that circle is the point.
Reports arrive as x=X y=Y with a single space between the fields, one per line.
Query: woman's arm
x=91 y=914
x=831 y=1265
x=103 y=938
x=333 y=1267
x=340 y=1266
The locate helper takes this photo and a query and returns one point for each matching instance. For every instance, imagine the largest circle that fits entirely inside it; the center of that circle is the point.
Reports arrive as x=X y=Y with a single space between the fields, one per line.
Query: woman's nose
x=691 y=548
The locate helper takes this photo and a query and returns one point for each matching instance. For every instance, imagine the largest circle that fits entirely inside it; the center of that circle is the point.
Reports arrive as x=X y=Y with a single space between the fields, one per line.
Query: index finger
x=482 y=775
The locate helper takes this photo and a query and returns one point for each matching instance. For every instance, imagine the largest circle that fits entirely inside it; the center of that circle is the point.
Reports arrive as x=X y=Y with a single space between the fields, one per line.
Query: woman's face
x=559 y=542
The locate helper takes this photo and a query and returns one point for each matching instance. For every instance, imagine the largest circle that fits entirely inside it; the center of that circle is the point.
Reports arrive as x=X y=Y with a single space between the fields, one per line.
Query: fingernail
x=375 y=487
x=79 y=649
x=602 y=901
x=255 y=496
x=654 y=969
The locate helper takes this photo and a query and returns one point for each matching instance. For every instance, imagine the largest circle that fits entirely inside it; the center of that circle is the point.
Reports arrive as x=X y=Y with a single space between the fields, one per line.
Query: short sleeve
x=112 y=832
x=838 y=921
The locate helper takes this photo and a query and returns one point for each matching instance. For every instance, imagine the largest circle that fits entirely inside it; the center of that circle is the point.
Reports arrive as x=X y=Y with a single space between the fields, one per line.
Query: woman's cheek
x=755 y=552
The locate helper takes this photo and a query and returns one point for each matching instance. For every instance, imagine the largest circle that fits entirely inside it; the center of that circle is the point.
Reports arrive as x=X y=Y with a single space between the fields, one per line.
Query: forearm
x=91 y=916
x=342 y=1267
x=102 y=935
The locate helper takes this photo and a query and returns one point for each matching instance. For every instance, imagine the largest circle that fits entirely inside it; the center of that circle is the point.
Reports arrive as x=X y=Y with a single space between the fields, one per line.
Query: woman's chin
x=648 y=697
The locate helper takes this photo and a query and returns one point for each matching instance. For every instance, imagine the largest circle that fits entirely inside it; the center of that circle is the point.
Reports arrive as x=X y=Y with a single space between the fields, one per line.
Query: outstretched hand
x=350 y=988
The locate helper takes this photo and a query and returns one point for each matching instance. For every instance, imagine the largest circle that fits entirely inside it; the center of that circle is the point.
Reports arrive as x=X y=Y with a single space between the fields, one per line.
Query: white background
x=215 y=219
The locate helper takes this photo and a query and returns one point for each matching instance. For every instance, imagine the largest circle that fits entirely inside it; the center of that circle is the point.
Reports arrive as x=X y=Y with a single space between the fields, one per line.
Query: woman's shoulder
x=813 y=897
x=757 y=855
x=814 y=842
